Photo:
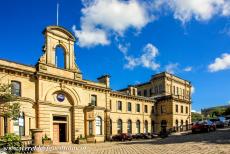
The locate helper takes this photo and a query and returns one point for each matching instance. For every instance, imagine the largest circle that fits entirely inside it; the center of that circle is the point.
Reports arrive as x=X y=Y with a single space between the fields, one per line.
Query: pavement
x=217 y=142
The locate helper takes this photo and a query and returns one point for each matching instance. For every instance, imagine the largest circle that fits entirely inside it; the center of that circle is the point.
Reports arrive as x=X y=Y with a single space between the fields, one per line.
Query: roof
x=59 y=28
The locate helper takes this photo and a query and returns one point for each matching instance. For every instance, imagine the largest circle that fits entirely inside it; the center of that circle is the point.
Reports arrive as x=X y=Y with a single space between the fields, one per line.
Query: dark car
x=122 y=137
x=219 y=123
x=203 y=126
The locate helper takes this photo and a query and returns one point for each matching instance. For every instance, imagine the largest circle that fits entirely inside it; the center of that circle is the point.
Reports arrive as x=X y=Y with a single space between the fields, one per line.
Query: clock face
x=60 y=97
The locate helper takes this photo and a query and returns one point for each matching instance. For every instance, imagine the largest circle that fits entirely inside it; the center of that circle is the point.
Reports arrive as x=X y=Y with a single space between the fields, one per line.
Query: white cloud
x=101 y=17
x=192 y=90
x=201 y=10
x=171 y=68
x=188 y=69
x=90 y=38
x=220 y=63
x=147 y=59
x=123 y=48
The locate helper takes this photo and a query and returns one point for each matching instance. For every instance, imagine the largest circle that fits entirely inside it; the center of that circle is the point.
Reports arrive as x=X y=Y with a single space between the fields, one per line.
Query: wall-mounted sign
x=60 y=97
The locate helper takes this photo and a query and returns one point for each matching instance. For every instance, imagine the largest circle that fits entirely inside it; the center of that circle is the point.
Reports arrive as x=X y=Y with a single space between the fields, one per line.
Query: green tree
x=227 y=111
x=8 y=102
x=196 y=116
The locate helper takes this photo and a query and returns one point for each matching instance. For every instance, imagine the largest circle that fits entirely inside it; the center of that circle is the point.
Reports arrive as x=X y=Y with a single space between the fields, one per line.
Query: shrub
x=11 y=143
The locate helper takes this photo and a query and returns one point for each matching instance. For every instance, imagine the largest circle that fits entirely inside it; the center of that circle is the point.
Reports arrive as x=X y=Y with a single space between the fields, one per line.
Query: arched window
x=177 y=125
x=153 y=126
x=119 y=126
x=146 y=126
x=129 y=127
x=60 y=57
x=186 y=124
x=182 y=123
x=16 y=88
x=98 y=126
x=138 y=126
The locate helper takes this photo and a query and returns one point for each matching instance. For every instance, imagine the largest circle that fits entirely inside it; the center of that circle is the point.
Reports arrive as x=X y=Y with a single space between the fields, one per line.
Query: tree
x=8 y=102
x=196 y=116
x=227 y=111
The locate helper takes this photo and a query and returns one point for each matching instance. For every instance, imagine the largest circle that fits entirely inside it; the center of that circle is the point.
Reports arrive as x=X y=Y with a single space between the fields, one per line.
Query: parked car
x=122 y=137
x=219 y=123
x=203 y=126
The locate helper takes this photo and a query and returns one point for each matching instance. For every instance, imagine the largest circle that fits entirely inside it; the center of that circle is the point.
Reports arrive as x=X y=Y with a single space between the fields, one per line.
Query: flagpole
x=57 y=12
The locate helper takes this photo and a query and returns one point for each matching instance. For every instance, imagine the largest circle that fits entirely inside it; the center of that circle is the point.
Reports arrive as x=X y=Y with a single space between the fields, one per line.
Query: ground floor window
x=119 y=126
x=111 y=126
x=177 y=125
x=153 y=126
x=129 y=127
x=98 y=126
x=90 y=128
x=5 y=125
x=146 y=126
x=138 y=126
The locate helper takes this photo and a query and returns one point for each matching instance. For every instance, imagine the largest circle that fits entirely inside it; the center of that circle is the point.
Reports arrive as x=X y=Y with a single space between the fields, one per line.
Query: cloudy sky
x=131 y=40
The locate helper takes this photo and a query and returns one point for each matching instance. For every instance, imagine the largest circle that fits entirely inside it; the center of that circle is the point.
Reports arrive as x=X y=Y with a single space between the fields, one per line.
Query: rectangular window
x=177 y=91
x=174 y=90
x=5 y=125
x=145 y=93
x=119 y=105
x=110 y=104
x=146 y=109
x=186 y=109
x=182 y=109
x=153 y=110
x=150 y=92
x=16 y=88
x=94 y=100
x=139 y=93
x=138 y=108
x=90 y=128
x=177 y=108
x=129 y=107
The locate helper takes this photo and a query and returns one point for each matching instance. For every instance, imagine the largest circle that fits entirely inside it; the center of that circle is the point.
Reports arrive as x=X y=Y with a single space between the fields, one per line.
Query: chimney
x=132 y=90
x=105 y=79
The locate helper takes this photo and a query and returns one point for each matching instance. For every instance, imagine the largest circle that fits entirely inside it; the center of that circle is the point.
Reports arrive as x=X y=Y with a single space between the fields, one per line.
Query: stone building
x=66 y=106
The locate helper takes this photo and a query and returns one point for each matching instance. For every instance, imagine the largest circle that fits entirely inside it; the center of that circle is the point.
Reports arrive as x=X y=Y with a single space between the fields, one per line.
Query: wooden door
x=56 y=133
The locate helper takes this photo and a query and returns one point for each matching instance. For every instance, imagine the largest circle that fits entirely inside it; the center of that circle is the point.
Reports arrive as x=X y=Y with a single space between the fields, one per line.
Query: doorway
x=60 y=129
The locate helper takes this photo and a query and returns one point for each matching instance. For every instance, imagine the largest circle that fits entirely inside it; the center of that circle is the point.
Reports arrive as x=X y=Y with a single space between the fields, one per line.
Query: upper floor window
x=150 y=92
x=139 y=93
x=146 y=109
x=94 y=100
x=153 y=110
x=145 y=93
x=16 y=88
x=186 y=109
x=182 y=109
x=156 y=89
x=110 y=104
x=160 y=88
x=137 y=107
x=119 y=105
x=129 y=107
x=60 y=57
x=174 y=90
x=177 y=91
x=177 y=108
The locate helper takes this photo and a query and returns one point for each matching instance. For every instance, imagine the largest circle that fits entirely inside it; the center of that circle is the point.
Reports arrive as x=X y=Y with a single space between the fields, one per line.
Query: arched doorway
x=181 y=125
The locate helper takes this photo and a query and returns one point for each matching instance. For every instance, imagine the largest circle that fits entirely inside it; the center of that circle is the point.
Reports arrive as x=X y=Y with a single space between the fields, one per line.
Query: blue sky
x=131 y=40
